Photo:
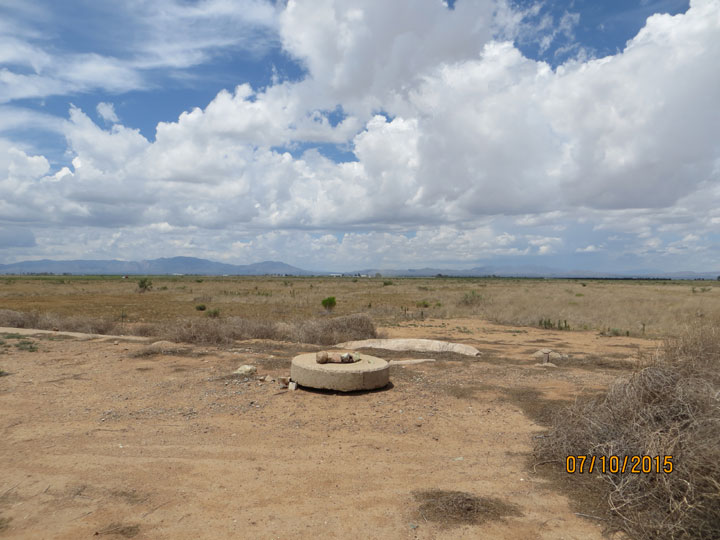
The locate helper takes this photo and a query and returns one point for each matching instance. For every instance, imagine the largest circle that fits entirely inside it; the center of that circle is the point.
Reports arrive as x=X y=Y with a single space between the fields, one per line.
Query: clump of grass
x=213 y=313
x=26 y=345
x=471 y=299
x=144 y=285
x=143 y=329
x=3 y=373
x=335 y=330
x=458 y=508
x=612 y=332
x=200 y=331
x=422 y=304
x=548 y=323
x=701 y=289
x=387 y=283
x=225 y=331
x=201 y=307
x=668 y=408
x=50 y=321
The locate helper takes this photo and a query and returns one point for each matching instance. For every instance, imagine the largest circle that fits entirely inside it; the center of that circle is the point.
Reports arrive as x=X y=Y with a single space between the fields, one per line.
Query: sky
x=346 y=134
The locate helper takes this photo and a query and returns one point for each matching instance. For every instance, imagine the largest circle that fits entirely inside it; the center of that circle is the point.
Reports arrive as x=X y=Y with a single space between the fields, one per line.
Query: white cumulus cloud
x=459 y=143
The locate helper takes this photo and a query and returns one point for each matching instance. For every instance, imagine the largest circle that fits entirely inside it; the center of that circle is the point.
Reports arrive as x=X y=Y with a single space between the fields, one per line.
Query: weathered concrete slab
x=76 y=335
x=426 y=345
x=368 y=373
x=410 y=361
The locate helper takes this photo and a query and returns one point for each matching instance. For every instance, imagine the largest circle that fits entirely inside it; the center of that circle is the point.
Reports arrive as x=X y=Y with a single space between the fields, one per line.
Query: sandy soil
x=97 y=441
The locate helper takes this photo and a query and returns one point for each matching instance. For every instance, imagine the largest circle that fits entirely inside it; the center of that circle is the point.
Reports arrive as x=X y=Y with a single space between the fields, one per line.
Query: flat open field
x=99 y=438
x=640 y=308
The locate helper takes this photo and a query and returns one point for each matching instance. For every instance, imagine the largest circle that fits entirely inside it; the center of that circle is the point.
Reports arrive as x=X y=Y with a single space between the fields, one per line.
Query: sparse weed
x=144 y=285
x=550 y=324
x=26 y=345
x=472 y=299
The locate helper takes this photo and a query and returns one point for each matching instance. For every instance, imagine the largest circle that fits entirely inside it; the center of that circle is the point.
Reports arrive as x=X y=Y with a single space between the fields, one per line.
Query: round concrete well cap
x=368 y=373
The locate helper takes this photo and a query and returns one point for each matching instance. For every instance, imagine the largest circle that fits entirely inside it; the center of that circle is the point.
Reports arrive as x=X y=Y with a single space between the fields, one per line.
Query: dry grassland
x=635 y=308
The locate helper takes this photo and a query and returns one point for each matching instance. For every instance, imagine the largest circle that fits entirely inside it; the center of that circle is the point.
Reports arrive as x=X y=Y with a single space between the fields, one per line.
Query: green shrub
x=329 y=303
x=201 y=307
x=144 y=284
x=387 y=282
x=213 y=313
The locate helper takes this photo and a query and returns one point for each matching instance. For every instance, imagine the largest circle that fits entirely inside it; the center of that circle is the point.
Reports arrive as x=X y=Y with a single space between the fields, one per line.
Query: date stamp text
x=619 y=464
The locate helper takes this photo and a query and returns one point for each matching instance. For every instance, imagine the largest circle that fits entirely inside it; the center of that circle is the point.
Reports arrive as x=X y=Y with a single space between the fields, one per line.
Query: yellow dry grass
x=652 y=308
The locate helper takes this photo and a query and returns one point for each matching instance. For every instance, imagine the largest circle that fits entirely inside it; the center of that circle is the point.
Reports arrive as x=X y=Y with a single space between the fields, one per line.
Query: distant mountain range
x=538 y=272
x=192 y=265
x=173 y=265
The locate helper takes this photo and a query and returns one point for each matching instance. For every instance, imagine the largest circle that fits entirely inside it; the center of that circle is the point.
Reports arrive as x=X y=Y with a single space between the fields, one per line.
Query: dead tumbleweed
x=671 y=408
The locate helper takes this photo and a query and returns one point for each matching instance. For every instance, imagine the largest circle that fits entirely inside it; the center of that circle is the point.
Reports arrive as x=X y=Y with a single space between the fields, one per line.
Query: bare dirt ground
x=97 y=441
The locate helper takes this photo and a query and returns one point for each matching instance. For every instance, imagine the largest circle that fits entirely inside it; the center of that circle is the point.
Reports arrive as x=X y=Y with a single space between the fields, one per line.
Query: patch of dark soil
x=593 y=362
x=54 y=337
x=4 y=523
x=497 y=360
x=587 y=493
x=120 y=529
x=533 y=404
x=70 y=377
x=130 y=496
x=459 y=508
x=466 y=391
x=185 y=352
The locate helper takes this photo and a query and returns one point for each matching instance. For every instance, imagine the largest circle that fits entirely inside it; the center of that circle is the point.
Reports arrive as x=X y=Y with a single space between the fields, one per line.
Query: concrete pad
x=76 y=335
x=403 y=344
x=368 y=373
